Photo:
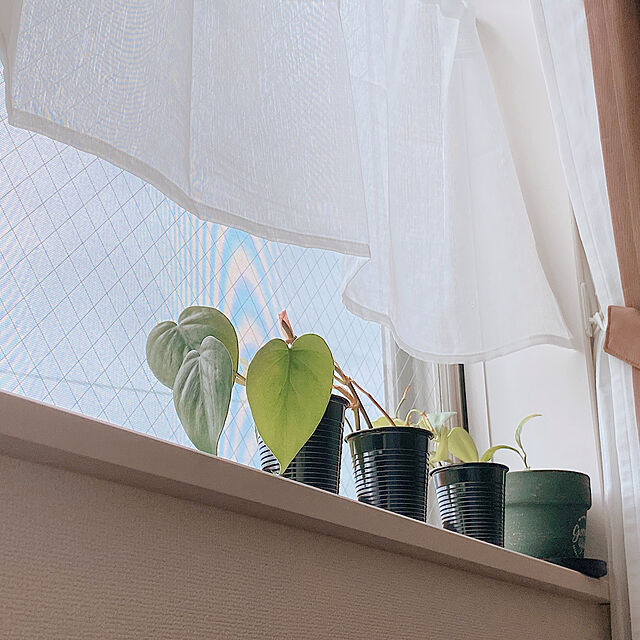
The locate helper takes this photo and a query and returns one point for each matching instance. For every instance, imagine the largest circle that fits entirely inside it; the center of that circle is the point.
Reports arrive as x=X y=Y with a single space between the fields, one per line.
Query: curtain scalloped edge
x=566 y=342
x=143 y=171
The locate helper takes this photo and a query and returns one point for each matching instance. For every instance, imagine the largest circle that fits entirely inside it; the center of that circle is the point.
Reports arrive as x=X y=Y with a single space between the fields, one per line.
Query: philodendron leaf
x=202 y=392
x=168 y=343
x=288 y=389
x=462 y=446
x=489 y=453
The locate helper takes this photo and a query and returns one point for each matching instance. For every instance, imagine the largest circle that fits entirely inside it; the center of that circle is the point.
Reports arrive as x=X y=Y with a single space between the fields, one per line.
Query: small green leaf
x=518 y=437
x=288 y=389
x=489 y=453
x=437 y=420
x=462 y=446
x=441 y=454
x=521 y=425
x=168 y=343
x=202 y=393
x=382 y=421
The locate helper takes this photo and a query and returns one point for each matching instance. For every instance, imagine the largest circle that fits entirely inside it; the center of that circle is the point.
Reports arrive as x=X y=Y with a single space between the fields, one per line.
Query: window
x=91 y=258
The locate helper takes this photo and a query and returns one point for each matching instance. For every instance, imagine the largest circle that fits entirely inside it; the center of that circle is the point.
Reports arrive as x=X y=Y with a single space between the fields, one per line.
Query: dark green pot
x=546 y=513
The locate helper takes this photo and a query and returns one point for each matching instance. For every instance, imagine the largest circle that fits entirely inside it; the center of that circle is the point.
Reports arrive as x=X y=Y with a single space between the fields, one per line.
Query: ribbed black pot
x=471 y=499
x=390 y=468
x=318 y=462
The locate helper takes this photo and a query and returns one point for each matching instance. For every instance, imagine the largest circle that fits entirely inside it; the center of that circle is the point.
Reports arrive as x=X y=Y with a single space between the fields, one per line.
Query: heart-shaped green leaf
x=202 y=393
x=462 y=446
x=288 y=389
x=168 y=343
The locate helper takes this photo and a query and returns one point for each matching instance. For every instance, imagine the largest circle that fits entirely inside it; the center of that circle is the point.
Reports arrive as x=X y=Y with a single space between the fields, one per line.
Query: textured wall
x=82 y=558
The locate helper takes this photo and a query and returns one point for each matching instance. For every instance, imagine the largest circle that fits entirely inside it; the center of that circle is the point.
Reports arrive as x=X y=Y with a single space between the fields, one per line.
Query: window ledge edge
x=40 y=433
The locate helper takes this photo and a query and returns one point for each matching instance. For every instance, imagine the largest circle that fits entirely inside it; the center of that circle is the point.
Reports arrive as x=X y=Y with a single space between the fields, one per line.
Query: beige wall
x=546 y=379
x=84 y=558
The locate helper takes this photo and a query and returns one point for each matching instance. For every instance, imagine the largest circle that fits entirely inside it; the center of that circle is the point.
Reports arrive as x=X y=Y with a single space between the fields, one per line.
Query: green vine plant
x=457 y=442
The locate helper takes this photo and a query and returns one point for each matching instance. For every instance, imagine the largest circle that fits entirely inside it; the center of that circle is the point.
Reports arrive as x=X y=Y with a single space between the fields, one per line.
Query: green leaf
x=521 y=425
x=462 y=446
x=202 y=393
x=382 y=421
x=437 y=420
x=441 y=454
x=168 y=343
x=489 y=453
x=288 y=389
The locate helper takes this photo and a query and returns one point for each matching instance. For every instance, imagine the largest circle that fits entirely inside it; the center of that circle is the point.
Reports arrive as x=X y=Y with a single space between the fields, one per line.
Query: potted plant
x=470 y=493
x=299 y=422
x=197 y=358
x=389 y=455
x=546 y=512
x=288 y=384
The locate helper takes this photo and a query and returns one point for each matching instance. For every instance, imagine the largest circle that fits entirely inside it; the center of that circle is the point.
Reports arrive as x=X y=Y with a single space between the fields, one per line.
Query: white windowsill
x=40 y=433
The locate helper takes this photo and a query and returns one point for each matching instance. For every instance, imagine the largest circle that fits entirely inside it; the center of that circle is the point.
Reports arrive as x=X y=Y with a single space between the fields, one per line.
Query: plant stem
x=375 y=402
x=340 y=374
x=351 y=384
x=426 y=417
x=346 y=394
x=404 y=397
x=347 y=421
x=359 y=406
x=356 y=417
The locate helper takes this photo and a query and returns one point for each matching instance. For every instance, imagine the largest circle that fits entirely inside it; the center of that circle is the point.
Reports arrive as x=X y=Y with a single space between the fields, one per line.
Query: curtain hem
x=465 y=358
x=97 y=147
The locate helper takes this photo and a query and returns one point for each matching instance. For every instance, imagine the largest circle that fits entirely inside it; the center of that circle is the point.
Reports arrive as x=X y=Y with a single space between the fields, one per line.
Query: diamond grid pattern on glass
x=91 y=258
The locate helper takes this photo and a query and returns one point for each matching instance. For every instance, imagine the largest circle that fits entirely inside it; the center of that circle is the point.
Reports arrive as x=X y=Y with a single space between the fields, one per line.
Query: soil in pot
x=390 y=468
x=318 y=462
x=546 y=513
x=471 y=499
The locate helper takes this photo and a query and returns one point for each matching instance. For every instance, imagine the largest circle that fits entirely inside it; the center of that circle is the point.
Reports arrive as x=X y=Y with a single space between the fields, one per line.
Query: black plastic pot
x=318 y=462
x=390 y=468
x=471 y=499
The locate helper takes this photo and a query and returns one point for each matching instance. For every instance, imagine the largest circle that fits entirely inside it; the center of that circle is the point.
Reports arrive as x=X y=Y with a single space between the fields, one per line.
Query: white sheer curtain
x=368 y=127
x=564 y=46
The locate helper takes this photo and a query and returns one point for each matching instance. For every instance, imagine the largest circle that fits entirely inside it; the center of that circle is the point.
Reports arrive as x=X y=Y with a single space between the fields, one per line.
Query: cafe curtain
x=366 y=127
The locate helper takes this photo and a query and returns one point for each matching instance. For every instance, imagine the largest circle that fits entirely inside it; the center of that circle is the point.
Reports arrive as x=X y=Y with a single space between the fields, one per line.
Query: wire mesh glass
x=91 y=258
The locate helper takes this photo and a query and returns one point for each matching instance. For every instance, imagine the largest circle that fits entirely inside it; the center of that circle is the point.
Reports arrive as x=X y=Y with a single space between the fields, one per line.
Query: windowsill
x=40 y=433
